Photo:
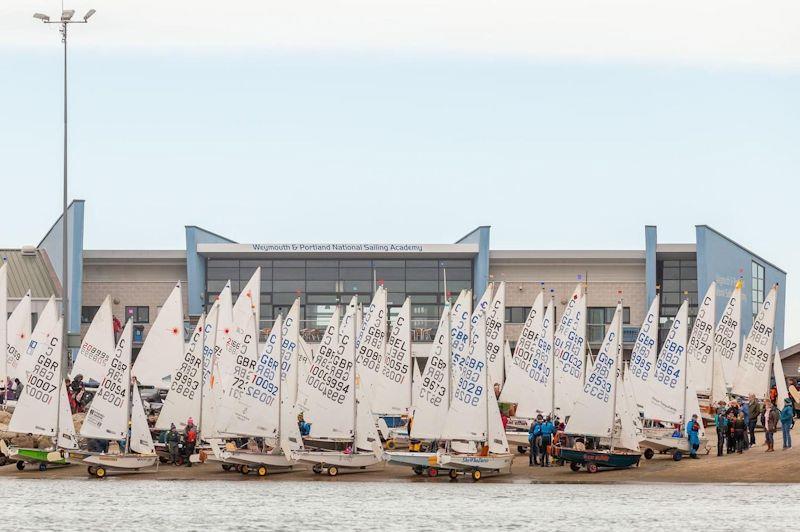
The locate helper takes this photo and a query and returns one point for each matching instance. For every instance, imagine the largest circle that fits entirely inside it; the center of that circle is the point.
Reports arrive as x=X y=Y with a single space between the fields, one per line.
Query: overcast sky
x=567 y=124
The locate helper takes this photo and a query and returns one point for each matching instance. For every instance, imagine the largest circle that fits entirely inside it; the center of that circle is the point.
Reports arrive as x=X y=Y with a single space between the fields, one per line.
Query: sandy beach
x=753 y=465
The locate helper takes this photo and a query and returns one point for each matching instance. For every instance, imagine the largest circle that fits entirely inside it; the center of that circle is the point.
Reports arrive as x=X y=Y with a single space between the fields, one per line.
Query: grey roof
x=30 y=272
x=790 y=351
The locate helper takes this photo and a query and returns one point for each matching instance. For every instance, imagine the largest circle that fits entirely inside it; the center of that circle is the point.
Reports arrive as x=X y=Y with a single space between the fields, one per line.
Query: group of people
x=13 y=390
x=736 y=423
x=540 y=437
x=180 y=445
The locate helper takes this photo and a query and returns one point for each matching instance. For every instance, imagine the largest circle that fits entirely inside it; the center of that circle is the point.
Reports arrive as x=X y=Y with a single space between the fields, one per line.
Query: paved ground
x=753 y=465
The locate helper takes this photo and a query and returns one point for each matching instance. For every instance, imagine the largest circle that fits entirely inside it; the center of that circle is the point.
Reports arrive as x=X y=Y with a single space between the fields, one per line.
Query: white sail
x=218 y=325
x=37 y=410
x=780 y=379
x=460 y=316
x=627 y=413
x=41 y=333
x=536 y=353
x=593 y=412
x=249 y=299
x=752 y=375
x=701 y=342
x=366 y=437
x=467 y=417
x=693 y=408
x=570 y=345
x=507 y=357
x=498 y=442
x=241 y=395
x=163 y=347
x=416 y=383
x=328 y=393
x=432 y=395
x=372 y=344
x=18 y=329
x=183 y=399
x=643 y=357
x=97 y=346
x=141 y=439
x=3 y=320
x=495 y=335
x=66 y=431
x=668 y=385
x=392 y=395
x=633 y=406
x=728 y=337
x=515 y=388
x=107 y=417
x=290 y=344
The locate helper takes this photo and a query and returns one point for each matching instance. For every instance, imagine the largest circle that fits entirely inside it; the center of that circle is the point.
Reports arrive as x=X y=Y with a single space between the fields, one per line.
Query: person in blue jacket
x=303 y=427
x=693 y=433
x=787 y=420
x=534 y=440
x=548 y=429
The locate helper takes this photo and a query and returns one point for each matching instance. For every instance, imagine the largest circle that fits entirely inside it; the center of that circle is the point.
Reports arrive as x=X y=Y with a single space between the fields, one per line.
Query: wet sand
x=754 y=465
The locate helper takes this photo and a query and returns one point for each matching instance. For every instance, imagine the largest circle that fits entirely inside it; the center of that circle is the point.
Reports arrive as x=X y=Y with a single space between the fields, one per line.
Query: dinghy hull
x=495 y=463
x=414 y=460
x=121 y=462
x=333 y=461
x=593 y=460
x=661 y=441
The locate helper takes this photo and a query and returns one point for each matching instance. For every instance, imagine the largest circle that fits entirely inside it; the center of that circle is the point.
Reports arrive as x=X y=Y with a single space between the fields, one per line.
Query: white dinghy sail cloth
x=107 y=417
x=668 y=385
x=593 y=413
x=41 y=406
x=392 y=395
x=515 y=388
x=41 y=334
x=495 y=335
x=18 y=334
x=372 y=344
x=97 y=346
x=218 y=324
x=570 y=346
x=753 y=373
x=432 y=399
x=3 y=320
x=183 y=399
x=643 y=357
x=701 y=342
x=163 y=347
x=460 y=316
x=727 y=337
x=141 y=439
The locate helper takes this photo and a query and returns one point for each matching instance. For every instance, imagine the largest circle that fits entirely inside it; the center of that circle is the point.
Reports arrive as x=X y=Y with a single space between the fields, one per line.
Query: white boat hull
x=414 y=459
x=517 y=438
x=662 y=441
x=338 y=459
x=122 y=462
x=497 y=463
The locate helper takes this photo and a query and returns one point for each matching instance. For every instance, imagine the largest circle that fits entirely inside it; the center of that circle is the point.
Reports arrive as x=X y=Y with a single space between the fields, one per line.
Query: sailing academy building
x=326 y=274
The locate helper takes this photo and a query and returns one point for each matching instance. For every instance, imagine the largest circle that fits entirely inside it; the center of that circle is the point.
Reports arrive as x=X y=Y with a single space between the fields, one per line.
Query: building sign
x=299 y=248
x=339 y=248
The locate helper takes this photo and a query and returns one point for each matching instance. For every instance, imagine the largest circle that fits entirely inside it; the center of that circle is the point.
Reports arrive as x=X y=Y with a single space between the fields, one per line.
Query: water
x=41 y=504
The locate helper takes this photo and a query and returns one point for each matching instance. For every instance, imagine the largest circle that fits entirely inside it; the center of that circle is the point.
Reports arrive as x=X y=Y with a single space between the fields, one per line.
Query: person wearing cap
x=190 y=437
x=693 y=434
x=535 y=441
x=173 y=443
x=787 y=422
x=548 y=429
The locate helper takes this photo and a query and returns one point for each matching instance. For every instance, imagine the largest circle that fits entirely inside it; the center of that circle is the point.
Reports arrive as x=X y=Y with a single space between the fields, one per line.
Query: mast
x=552 y=366
x=203 y=380
x=616 y=376
x=685 y=369
x=280 y=384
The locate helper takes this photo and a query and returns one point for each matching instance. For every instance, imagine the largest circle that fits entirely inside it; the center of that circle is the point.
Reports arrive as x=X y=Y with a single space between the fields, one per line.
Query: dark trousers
x=720 y=441
x=751 y=429
x=189 y=451
x=533 y=451
x=740 y=436
x=731 y=441
x=546 y=441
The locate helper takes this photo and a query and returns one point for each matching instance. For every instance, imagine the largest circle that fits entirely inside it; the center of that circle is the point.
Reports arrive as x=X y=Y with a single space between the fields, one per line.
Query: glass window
x=322 y=264
x=289 y=286
x=321 y=286
x=217 y=263
x=393 y=286
x=322 y=274
x=87 y=314
x=330 y=299
x=216 y=286
x=672 y=273
x=286 y=299
x=138 y=314
x=223 y=274
x=460 y=263
x=390 y=274
x=289 y=264
x=355 y=263
x=757 y=291
x=517 y=314
x=396 y=298
x=289 y=273
x=424 y=286
x=357 y=286
x=422 y=274
x=355 y=273
x=255 y=263
x=389 y=263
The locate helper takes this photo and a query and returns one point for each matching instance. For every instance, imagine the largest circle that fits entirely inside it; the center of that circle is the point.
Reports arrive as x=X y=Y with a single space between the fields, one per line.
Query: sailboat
x=474 y=415
x=43 y=409
x=97 y=346
x=337 y=405
x=644 y=356
x=163 y=347
x=570 y=353
x=705 y=361
x=116 y=413
x=673 y=396
x=495 y=336
x=727 y=343
x=753 y=372
x=18 y=334
x=596 y=410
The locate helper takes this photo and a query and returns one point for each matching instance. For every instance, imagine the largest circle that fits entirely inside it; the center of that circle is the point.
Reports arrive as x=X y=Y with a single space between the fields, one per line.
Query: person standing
x=534 y=441
x=548 y=429
x=771 y=418
x=173 y=444
x=753 y=413
x=693 y=434
x=793 y=388
x=190 y=437
x=739 y=432
x=787 y=422
x=721 y=423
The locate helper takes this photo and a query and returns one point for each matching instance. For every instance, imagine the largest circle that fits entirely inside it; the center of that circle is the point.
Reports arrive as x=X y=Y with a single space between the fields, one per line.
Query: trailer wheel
x=3 y=460
x=476 y=475
x=163 y=459
x=42 y=467
x=262 y=471
x=418 y=470
x=521 y=449
x=244 y=469
x=226 y=467
x=649 y=453
x=433 y=472
x=591 y=467
x=333 y=471
x=575 y=466
x=91 y=470
x=317 y=469
x=390 y=444
x=677 y=455
x=20 y=465
x=453 y=474
x=100 y=472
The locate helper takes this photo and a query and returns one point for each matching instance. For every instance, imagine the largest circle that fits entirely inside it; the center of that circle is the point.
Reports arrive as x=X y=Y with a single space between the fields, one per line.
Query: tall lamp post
x=64 y=21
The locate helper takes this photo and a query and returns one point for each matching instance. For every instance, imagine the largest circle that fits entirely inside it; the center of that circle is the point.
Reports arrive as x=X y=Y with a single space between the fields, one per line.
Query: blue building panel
x=196 y=265
x=480 y=264
x=722 y=260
